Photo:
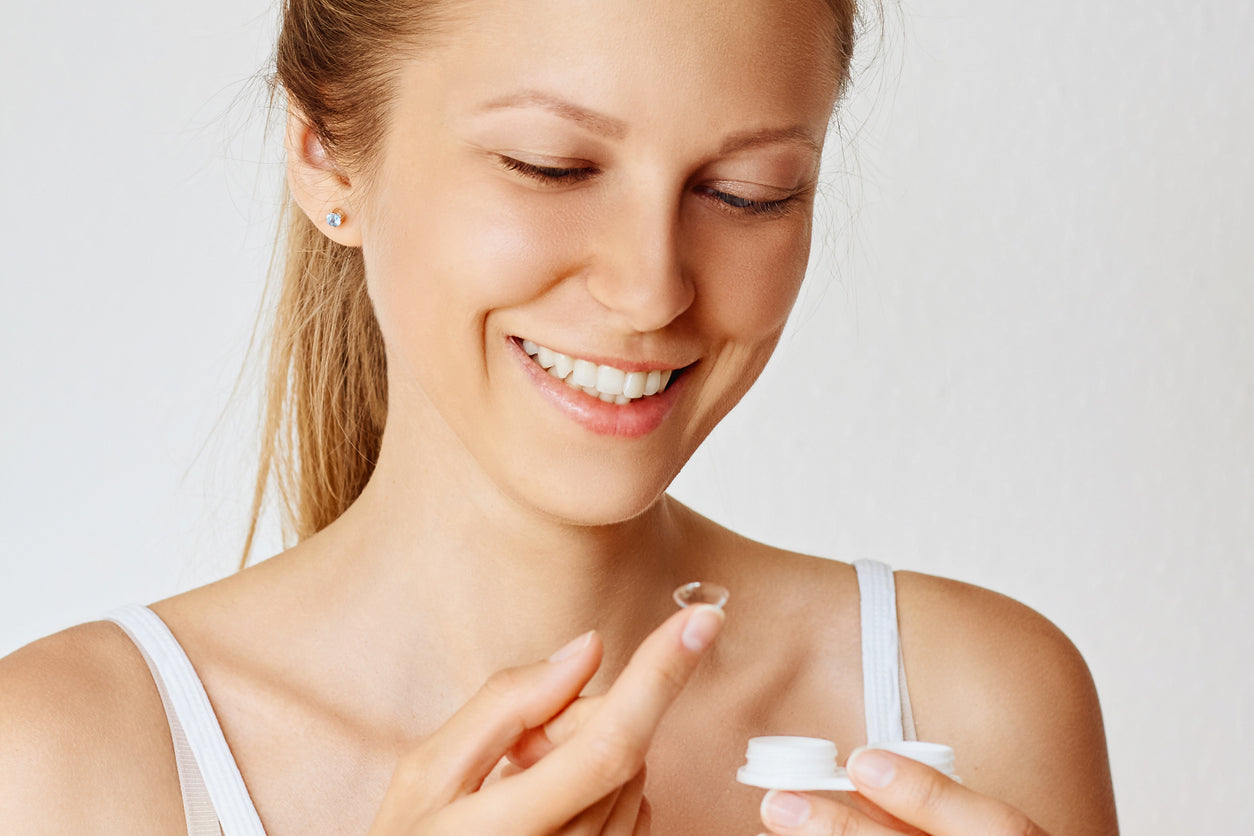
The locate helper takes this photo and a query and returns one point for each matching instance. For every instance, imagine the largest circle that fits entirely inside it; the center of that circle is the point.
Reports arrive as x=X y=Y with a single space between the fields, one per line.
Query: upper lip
x=616 y=362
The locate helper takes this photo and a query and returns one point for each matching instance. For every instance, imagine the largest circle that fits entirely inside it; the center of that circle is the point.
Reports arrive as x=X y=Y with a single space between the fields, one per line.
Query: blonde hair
x=326 y=397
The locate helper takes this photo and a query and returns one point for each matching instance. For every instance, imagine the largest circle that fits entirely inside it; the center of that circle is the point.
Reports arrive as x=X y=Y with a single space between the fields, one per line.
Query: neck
x=453 y=580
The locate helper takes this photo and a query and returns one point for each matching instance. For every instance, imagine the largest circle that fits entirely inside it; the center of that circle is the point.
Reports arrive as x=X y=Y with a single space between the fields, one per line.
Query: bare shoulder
x=84 y=746
x=1013 y=696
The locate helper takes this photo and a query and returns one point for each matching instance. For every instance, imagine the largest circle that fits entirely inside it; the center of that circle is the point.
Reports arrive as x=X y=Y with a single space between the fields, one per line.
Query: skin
x=349 y=670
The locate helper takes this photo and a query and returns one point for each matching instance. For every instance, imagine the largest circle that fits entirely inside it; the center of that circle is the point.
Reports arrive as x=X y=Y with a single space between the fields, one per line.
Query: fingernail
x=784 y=809
x=872 y=768
x=703 y=625
x=576 y=644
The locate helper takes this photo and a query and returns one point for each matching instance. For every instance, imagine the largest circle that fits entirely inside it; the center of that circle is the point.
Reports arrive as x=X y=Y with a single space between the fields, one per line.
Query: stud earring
x=335 y=217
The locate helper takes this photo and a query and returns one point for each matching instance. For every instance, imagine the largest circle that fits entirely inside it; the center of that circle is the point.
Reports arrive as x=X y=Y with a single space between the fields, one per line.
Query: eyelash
x=729 y=202
x=735 y=203
x=545 y=174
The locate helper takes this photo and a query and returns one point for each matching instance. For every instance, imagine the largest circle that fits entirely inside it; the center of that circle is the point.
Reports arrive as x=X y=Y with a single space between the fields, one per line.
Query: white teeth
x=610 y=384
x=585 y=373
x=633 y=384
x=653 y=383
x=610 y=380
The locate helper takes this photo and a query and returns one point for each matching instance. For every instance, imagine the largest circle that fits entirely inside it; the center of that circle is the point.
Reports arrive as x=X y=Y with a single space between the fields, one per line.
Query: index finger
x=609 y=749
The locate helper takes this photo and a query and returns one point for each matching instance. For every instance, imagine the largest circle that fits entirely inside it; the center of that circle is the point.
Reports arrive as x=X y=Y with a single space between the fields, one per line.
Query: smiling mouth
x=610 y=384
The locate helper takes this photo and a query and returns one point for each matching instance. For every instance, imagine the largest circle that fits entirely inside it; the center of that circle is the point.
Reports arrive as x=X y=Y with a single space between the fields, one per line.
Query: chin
x=601 y=500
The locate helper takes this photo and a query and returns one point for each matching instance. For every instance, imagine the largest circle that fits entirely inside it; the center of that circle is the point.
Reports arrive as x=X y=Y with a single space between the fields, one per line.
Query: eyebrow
x=590 y=119
x=617 y=129
x=766 y=136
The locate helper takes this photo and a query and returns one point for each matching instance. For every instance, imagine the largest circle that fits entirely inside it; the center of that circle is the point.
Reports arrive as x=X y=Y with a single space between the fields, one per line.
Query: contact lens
x=700 y=592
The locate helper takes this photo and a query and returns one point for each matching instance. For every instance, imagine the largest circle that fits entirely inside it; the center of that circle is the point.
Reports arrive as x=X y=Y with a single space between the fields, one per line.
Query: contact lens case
x=810 y=763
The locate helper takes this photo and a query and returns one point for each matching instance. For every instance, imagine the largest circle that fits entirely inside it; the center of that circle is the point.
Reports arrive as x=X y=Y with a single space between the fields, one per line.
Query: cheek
x=747 y=297
x=749 y=281
x=443 y=265
x=503 y=251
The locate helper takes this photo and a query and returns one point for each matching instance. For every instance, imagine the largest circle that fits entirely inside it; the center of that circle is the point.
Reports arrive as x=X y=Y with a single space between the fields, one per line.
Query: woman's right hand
x=590 y=783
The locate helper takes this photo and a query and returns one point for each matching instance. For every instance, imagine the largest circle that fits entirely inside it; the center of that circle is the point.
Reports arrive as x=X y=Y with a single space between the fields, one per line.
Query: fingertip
x=871 y=768
x=704 y=624
x=575 y=647
x=644 y=818
x=529 y=748
x=764 y=807
x=853 y=756
x=785 y=809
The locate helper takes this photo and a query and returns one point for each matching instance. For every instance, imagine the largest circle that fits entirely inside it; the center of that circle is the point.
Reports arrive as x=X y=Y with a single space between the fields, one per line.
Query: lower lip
x=630 y=420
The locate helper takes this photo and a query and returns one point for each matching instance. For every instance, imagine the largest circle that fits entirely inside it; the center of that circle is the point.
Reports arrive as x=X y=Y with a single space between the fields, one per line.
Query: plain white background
x=1025 y=356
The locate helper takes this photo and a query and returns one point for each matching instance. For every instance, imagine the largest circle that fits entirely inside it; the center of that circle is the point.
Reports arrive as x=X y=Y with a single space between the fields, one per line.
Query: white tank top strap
x=889 y=718
x=215 y=800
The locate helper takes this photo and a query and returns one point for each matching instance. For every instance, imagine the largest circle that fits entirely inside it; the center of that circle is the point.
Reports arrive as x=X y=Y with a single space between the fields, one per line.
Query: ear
x=318 y=184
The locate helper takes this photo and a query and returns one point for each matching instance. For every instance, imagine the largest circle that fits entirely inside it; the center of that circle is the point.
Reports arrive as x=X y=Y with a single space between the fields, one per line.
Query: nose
x=641 y=275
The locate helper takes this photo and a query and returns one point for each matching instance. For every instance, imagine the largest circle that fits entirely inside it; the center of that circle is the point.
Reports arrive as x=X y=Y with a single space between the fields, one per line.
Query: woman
x=538 y=251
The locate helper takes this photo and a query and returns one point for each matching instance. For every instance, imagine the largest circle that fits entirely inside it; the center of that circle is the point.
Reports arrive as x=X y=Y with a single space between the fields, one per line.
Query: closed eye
x=548 y=174
x=744 y=205
x=555 y=175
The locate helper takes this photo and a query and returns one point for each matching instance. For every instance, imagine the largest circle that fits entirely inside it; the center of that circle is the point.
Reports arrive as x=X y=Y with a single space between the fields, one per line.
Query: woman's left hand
x=916 y=798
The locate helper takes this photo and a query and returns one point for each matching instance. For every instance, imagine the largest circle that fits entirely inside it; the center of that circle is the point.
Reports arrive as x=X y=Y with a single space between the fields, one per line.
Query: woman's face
x=627 y=183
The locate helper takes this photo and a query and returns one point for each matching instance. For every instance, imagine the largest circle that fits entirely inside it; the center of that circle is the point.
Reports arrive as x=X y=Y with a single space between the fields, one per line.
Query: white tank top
x=216 y=802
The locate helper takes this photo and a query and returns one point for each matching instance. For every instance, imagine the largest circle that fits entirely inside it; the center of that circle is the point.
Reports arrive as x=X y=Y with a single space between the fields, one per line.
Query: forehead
x=725 y=63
